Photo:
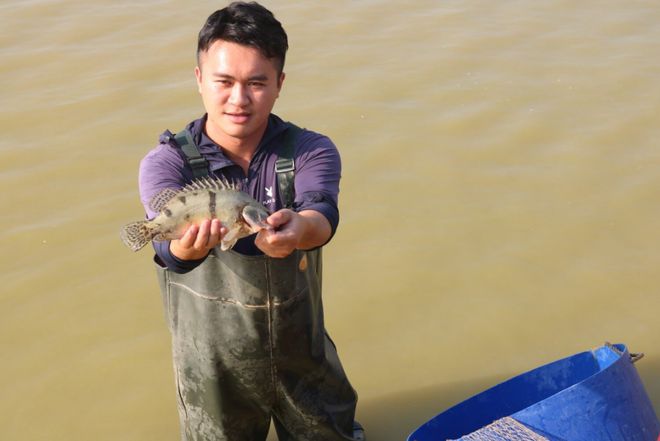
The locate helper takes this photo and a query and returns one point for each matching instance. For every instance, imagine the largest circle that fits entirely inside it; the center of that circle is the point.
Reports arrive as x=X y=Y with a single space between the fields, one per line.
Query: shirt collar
x=213 y=152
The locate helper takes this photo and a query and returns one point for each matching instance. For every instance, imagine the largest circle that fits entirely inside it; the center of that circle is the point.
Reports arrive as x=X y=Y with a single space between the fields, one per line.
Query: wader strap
x=199 y=165
x=285 y=166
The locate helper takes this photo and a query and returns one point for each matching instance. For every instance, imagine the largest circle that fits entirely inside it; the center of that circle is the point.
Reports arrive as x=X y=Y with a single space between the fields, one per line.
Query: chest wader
x=249 y=343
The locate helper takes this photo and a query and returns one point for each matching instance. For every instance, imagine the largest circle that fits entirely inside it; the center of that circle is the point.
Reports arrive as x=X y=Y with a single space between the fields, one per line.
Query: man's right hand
x=198 y=240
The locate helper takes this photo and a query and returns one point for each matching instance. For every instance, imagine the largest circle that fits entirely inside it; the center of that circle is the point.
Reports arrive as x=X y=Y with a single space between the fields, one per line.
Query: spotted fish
x=205 y=198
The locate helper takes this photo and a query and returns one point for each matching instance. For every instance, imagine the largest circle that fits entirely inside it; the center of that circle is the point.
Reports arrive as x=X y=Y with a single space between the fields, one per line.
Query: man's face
x=239 y=87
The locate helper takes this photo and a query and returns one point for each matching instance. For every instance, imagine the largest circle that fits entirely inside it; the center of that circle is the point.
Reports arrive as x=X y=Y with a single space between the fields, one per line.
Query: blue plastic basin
x=592 y=396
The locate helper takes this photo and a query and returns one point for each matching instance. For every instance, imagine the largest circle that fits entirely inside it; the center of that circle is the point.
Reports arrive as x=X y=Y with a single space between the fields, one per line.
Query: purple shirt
x=317 y=174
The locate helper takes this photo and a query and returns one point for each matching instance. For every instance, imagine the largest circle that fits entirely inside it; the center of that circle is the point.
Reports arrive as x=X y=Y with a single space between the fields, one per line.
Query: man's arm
x=315 y=216
x=160 y=169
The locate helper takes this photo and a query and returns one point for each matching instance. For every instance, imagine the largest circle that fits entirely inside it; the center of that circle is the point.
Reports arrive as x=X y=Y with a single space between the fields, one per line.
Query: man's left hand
x=291 y=230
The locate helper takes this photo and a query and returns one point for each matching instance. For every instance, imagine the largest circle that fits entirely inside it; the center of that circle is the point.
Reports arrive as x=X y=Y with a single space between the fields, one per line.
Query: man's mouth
x=238 y=117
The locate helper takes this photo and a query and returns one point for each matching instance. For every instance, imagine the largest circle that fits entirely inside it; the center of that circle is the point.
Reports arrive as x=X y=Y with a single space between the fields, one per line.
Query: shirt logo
x=269 y=195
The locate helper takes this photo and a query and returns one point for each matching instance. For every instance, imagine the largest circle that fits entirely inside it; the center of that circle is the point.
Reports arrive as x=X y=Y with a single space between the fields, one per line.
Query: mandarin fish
x=206 y=198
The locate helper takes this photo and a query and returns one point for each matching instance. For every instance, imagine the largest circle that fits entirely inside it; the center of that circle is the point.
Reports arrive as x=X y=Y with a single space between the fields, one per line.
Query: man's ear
x=198 y=76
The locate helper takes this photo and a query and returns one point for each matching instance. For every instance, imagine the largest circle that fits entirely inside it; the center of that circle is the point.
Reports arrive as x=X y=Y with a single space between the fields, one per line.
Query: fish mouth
x=258 y=226
x=256 y=219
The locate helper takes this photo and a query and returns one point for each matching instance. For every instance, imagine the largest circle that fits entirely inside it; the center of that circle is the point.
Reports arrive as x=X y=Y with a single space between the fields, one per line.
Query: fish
x=205 y=198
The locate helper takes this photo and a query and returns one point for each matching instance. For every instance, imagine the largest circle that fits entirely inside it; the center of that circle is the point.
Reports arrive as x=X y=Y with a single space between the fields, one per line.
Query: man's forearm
x=317 y=230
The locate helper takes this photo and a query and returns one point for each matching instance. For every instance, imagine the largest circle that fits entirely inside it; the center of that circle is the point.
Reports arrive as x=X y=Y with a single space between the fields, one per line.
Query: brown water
x=499 y=200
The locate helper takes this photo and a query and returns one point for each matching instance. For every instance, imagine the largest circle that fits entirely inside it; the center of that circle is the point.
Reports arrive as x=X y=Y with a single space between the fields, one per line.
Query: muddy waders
x=249 y=344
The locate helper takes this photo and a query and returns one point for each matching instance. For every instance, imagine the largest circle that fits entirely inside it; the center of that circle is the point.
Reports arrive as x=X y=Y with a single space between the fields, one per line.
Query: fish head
x=255 y=216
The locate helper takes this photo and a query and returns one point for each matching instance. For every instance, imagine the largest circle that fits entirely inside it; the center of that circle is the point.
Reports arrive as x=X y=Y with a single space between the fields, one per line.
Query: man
x=248 y=338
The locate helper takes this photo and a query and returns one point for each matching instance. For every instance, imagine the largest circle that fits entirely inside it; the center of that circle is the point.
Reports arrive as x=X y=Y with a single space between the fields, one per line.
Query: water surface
x=499 y=197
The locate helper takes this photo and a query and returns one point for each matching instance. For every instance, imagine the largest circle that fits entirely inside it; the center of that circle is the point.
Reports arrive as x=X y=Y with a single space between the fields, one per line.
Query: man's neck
x=238 y=150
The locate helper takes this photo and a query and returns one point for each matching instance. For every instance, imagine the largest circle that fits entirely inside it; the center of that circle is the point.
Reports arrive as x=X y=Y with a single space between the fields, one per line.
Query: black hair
x=248 y=24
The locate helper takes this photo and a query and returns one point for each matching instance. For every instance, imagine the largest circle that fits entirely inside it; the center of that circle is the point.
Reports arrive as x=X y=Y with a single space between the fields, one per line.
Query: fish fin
x=229 y=239
x=160 y=200
x=256 y=218
x=214 y=183
x=136 y=234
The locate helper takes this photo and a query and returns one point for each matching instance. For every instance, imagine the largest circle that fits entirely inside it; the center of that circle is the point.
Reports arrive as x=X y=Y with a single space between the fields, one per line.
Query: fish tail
x=136 y=235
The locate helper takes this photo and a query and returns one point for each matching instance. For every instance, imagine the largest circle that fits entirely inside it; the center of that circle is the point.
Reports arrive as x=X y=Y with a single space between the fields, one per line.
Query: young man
x=248 y=338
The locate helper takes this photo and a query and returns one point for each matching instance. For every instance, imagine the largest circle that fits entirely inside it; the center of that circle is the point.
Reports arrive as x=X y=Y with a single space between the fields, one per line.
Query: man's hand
x=198 y=240
x=305 y=230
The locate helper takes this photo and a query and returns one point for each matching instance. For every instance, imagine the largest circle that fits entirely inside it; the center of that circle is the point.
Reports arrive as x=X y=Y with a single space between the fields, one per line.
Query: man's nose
x=238 y=95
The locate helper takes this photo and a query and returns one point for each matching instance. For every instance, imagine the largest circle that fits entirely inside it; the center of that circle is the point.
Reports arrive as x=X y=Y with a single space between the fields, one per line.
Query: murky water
x=499 y=200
